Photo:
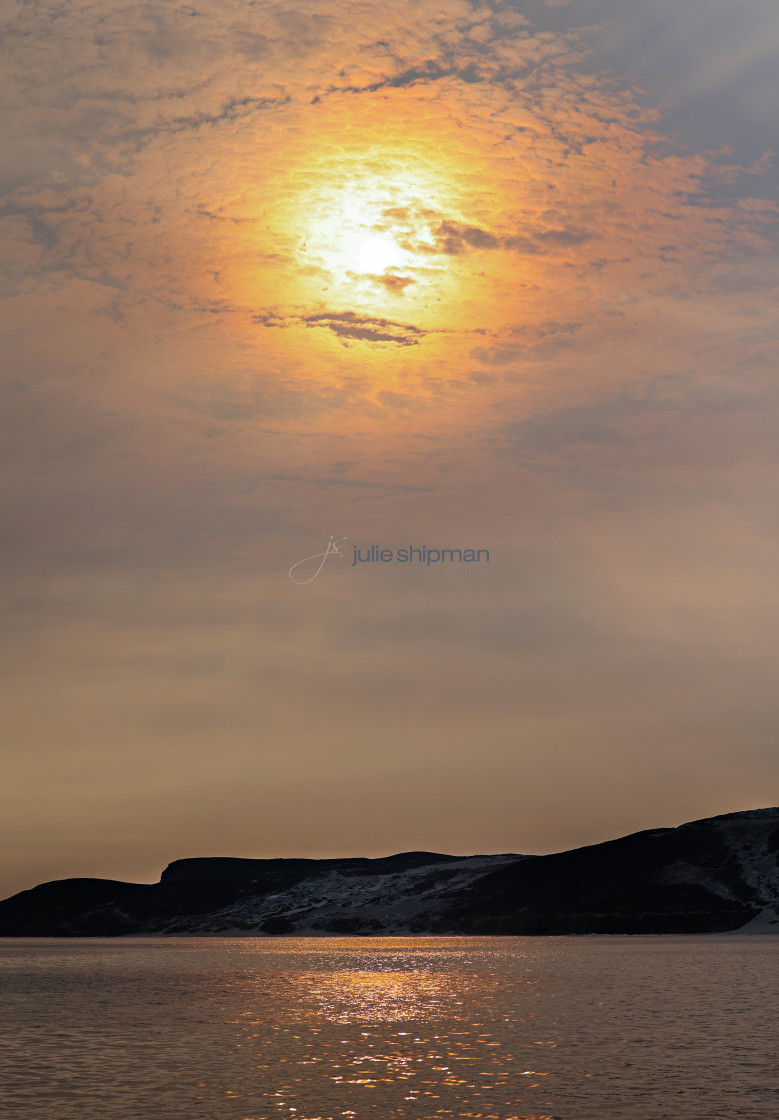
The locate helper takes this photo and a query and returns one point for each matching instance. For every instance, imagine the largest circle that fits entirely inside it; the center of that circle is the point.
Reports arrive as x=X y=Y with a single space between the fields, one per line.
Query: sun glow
x=377 y=254
x=368 y=237
x=373 y=254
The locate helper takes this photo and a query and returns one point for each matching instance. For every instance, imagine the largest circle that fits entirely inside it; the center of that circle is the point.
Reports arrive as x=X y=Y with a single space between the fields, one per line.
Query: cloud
x=360 y=484
x=350 y=325
x=667 y=414
x=392 y=283
x=453 y=238
x=571 y=361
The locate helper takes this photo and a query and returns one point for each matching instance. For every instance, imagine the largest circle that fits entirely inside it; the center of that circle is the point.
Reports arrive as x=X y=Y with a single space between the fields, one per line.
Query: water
x=634 y=1028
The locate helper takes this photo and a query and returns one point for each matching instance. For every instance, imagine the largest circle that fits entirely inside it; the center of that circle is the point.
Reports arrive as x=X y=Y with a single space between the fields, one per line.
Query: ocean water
x=574 y=1028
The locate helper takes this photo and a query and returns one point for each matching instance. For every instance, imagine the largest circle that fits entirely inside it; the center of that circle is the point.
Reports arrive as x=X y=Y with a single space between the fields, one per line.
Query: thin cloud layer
x=463 y=275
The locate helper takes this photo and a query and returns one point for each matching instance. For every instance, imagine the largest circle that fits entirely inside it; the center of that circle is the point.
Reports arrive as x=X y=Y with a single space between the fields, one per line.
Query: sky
x=438 y=274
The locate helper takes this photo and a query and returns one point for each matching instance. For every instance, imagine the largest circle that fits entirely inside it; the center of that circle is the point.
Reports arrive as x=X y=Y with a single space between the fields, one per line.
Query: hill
x=712 y=875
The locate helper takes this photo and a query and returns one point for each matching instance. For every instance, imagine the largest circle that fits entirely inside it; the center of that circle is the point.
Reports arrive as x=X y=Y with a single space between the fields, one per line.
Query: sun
x=375 y=254
x=365 y=233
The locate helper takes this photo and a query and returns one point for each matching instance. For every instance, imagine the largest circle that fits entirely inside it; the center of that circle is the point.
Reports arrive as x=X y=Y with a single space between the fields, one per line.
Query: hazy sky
x=495 y=276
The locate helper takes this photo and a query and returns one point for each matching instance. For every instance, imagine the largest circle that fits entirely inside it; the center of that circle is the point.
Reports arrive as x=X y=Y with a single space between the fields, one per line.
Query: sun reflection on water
x=377 y=996
x=314 y=1029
